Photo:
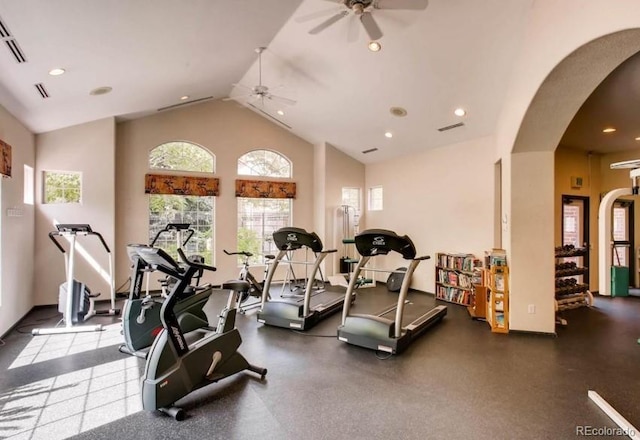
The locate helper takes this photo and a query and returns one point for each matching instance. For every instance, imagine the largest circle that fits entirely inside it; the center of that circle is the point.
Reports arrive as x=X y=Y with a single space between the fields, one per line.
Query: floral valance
x=5 y=160
x=264 y=189
x=181 y=185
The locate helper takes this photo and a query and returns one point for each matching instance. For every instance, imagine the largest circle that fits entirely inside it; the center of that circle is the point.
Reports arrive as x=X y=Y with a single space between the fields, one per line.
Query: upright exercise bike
x=175 y=367
x=255 y=287
x=75 y=300
x=141 y=314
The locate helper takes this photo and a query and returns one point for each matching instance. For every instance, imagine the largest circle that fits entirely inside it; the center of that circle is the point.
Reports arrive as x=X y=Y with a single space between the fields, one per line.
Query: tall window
x=28 y=195
x=258 y=218
x=375 y=198
x=62 y=187
x=351 y=197
x=198 y=211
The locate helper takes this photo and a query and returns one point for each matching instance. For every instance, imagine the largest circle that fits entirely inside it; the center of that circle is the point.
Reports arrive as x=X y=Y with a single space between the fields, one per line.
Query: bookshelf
x=478 y=307
x=456 y=275
x=498 y=285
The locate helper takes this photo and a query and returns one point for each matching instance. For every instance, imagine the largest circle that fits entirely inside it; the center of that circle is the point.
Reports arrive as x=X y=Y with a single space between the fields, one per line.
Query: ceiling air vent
x=4 y=30
x=451 y=127
x=370 y=150
x=43 y=92
x=169 y=107
x=11 y=43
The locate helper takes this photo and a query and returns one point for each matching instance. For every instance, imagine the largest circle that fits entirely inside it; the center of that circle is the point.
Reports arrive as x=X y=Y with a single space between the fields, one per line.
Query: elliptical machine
x=75 y=300
x=174 y=368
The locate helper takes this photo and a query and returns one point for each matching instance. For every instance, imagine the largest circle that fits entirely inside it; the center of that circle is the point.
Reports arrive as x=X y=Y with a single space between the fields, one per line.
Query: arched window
x=258 y=218
x=265 y=163
x=197 y=211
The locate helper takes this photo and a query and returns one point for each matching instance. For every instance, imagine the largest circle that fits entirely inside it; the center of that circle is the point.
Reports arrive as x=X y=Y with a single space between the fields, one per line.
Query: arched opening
x=530 y=173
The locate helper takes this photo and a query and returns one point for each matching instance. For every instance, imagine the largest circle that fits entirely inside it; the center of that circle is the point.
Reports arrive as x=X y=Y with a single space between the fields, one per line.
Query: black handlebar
x=170 y=227
x=195 y=264
x=66 y=229
x=245 y=253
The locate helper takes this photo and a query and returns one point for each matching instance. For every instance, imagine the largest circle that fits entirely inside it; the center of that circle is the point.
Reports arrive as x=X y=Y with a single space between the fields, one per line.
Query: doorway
x=623 y=237
x=575 y=229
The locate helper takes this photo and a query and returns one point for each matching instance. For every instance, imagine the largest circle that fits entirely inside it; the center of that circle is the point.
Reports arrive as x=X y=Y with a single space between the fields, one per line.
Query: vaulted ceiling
x=451 y=54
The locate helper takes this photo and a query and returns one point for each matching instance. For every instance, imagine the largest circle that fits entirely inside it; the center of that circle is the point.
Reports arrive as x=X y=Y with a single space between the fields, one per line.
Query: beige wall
x=226 y=129
x=341 y=171
x=90 y=149
x=442 y=199
x=16 y=241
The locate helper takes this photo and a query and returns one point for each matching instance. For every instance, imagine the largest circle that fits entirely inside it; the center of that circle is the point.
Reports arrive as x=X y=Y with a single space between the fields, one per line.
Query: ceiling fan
x=259 y=92
x=363 y=9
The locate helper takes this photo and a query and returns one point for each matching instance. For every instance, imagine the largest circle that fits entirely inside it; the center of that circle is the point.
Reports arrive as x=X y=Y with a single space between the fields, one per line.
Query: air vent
x=451 y=127
x=12 y=44
x=42 y=90
x=181 y=104
x=270 y=116
x=4 y=30
x=370 y=150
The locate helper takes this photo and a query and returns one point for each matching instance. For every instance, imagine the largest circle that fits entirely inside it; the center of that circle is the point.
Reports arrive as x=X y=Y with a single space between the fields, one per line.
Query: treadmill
x=393 y=329
x=300 y=313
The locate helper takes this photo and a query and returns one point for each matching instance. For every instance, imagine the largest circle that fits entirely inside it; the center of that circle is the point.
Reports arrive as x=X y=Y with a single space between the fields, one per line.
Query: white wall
x=16 y=240
x=442 y=199
x=226 y=129
x=90 y=149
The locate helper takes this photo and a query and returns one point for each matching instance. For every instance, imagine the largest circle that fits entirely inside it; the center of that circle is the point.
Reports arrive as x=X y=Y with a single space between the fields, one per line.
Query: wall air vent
x=43 y=92
x=270 y=116
x=451 y=127
x=182 y=104
x=370 y=150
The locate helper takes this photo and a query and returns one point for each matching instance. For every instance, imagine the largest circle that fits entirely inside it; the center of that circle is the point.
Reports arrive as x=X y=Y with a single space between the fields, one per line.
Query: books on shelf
x=456 y=275
x=495 y=257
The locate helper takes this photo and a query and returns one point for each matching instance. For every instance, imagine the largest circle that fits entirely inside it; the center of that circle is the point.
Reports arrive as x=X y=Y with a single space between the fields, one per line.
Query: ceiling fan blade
x=236 y=98
x=317 y=14
x=242 y=86
x=401 y=4
x=325 y=24
x=281 y=99
x=353 y=30
x=370 y=26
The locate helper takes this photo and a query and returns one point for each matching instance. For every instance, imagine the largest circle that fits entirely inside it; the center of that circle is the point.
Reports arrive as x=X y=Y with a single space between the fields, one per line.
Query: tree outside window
x=62 y=187
x=198 y=211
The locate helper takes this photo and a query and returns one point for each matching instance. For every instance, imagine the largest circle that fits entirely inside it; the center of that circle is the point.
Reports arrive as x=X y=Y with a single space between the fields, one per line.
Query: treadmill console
x=372 y=242
x=289 y=239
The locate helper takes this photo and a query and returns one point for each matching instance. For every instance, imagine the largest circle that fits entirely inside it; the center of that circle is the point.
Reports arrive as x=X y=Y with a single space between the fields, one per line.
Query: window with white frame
x=28 y=188
x=62 y=187
x=375 y=198
x=198 y=211
x=351 y=197
x=258 y=218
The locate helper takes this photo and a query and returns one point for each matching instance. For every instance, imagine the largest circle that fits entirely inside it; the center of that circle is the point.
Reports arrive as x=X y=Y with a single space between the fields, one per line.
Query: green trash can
x=619 y=281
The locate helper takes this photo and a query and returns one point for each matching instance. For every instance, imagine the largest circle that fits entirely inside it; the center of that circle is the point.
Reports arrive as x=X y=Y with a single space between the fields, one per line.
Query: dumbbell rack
x=570 y=292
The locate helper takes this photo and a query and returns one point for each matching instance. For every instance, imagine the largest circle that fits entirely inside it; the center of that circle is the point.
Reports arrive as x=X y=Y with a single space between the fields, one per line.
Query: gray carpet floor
x=456 y=381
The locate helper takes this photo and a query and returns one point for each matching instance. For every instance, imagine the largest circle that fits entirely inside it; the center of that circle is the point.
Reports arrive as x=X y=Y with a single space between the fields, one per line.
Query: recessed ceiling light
x=638 y=138
x=460 y=112
x=184 y=98
x=398 y=111
x=609 y=130
x=280 y=112
x=374 y=46
x=57 y=71
x=388 y=134
x=100 y=91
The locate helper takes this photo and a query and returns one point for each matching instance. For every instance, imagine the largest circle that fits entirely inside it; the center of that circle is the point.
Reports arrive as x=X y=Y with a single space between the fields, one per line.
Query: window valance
x=5 y=159
x=181 y=185
x=264 y=189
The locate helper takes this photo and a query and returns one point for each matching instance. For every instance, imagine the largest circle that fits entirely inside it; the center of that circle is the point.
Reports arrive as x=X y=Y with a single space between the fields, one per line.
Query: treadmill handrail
x=424 y=257
x=66 y=229
x=328 y=251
